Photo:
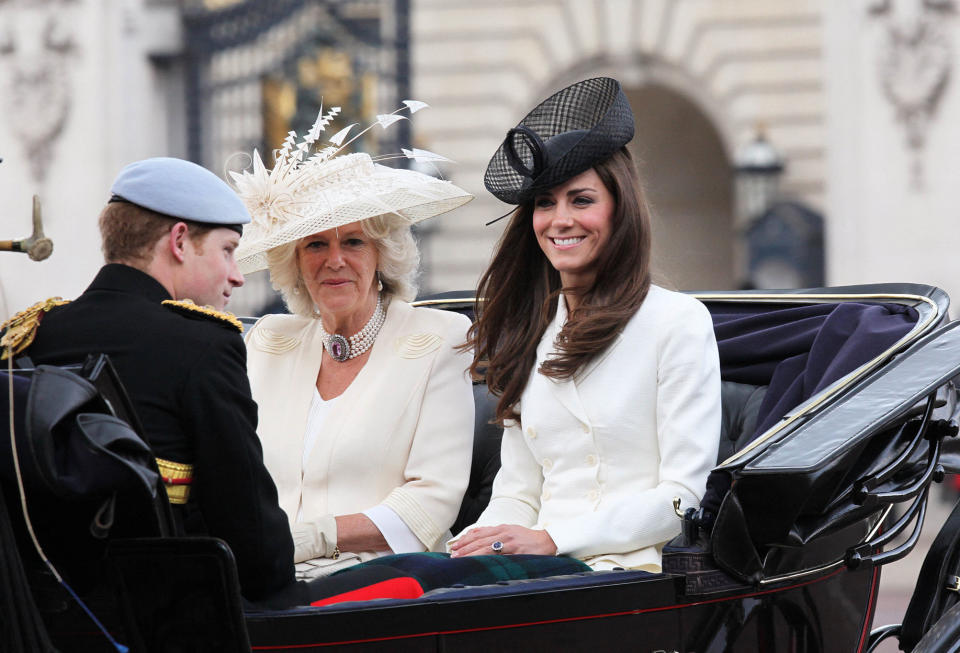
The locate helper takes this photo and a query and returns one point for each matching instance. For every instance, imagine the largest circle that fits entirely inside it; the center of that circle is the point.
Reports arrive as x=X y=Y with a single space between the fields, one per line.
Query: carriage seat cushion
x=486 y=459
x=740 y=406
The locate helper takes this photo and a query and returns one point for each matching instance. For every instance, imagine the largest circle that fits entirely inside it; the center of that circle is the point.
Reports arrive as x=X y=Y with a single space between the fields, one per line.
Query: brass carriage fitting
x=676 y=507
x=37 y=246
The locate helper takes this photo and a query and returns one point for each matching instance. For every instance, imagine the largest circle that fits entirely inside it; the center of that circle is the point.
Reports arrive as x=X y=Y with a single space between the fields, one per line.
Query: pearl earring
x=379 y=283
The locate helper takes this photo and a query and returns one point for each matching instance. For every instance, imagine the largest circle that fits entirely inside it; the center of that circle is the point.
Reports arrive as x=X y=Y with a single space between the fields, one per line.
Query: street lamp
x=758 y=167
x=780 y=240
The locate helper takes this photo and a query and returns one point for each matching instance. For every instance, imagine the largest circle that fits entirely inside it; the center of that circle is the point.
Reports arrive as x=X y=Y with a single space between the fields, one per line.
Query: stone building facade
x=856 y=96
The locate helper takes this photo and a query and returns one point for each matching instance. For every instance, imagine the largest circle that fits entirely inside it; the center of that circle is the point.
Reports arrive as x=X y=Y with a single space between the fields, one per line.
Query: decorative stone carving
x=915 y=65
x=36 y=46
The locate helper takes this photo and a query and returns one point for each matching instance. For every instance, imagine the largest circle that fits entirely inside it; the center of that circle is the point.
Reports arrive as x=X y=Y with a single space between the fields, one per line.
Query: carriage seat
x=486 y=459
x=740 y=405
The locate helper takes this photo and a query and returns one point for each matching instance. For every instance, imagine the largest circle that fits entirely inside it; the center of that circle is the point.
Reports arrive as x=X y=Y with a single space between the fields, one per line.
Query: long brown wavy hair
x=515 y=296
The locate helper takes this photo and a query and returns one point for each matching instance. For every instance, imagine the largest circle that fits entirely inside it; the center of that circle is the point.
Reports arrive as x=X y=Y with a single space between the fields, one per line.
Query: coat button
x=591 y=460
x=547 y=464
x=593 y=495
x=531 y=432
x=585 y=427
x=546 y=495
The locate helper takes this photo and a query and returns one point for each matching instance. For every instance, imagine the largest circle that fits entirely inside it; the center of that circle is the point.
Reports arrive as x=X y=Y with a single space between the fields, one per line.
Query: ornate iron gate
x=256 y=69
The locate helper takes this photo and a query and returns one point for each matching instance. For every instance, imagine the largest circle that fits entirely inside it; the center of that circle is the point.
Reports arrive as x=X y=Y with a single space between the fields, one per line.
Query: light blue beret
x=180 y=189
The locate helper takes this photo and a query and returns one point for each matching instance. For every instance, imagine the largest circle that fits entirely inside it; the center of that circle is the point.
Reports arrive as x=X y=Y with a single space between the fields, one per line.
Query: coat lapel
x=564 y=390
x=301 y=386
x=367 y=381
x=596 y=362
x=286 y=380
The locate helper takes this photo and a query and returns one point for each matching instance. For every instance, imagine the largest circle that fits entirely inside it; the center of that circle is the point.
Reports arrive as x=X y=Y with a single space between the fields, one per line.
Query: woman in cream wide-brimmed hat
x=366 y=408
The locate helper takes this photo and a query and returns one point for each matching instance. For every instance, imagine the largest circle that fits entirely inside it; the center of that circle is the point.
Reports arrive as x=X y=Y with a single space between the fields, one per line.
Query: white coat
x=400 y=435
x=597 y=461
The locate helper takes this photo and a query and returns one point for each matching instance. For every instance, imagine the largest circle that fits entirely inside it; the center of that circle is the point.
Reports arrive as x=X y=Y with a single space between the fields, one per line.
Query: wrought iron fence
x=256 y=69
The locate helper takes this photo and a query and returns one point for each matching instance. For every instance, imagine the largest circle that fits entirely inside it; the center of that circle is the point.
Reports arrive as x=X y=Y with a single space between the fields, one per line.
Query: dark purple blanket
x=799 y=351
x=796 y=352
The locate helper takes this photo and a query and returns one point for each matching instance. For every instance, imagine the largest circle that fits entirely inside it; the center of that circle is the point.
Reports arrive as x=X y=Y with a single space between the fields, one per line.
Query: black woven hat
x=568 y=133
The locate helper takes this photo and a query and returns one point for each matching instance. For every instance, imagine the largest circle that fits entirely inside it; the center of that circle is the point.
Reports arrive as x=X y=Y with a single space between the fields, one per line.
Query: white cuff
x=314 y=539
x=395 y=531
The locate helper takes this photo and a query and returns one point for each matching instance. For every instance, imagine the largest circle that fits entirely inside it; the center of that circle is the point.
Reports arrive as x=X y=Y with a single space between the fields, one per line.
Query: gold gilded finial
x=676 y=507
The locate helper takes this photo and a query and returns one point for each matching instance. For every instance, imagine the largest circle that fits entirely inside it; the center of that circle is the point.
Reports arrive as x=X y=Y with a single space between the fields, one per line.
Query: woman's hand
x=515 y=539
x=328 y=536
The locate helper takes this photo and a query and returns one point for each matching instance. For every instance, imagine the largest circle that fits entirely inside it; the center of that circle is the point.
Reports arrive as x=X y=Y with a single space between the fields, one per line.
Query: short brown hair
x=129 y=232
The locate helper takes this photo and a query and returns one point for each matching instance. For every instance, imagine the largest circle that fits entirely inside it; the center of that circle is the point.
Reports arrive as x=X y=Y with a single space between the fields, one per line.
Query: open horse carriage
x=838 y=407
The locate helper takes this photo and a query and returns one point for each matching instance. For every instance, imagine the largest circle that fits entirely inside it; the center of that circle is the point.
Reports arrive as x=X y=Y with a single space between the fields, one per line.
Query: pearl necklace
x=343 y=349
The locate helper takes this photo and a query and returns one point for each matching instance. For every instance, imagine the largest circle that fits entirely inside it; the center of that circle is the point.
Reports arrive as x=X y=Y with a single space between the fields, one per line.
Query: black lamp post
x=758 y=167
x=781 y=240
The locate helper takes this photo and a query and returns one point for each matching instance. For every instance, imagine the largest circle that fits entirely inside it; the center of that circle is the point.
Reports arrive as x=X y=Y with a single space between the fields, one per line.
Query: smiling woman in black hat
x=608 y=386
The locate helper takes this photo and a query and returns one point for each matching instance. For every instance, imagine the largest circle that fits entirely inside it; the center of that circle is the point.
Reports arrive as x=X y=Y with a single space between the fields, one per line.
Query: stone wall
x=86 y=86
x=483 y=65
x=856 y=95
x=894 y=141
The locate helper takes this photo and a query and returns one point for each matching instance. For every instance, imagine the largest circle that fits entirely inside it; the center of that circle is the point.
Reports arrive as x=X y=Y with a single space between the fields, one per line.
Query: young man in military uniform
x=169 y=233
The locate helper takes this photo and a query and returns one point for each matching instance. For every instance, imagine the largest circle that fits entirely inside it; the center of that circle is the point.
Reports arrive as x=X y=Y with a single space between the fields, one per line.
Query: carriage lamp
x=758 y=167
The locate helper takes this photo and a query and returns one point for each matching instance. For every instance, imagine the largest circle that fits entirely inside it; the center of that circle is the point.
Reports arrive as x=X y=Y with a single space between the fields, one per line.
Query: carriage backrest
x=740 y=408
x=486 y=459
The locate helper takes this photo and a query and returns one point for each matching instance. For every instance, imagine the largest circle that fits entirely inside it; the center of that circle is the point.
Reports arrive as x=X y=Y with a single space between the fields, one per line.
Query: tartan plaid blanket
x=433 y=570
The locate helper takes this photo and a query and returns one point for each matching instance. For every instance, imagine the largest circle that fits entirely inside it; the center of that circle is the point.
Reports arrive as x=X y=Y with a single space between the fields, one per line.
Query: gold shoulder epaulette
x=187 y=307
x=22 y=327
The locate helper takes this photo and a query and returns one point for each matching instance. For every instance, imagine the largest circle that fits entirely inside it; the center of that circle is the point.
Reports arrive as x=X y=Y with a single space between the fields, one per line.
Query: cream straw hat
x=308 y=193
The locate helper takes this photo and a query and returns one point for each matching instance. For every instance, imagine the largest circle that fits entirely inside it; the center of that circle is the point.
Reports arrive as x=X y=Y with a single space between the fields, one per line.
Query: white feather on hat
x=305 y=194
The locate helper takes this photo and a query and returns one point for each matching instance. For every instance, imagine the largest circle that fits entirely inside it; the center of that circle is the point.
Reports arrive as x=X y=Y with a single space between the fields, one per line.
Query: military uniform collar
x=119 y=277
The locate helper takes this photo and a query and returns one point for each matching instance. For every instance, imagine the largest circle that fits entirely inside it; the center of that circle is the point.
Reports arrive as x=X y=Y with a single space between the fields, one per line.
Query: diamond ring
x=497 y=546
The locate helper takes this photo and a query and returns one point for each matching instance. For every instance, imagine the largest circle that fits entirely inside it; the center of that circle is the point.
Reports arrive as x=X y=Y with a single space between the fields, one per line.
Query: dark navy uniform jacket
x=187 y=378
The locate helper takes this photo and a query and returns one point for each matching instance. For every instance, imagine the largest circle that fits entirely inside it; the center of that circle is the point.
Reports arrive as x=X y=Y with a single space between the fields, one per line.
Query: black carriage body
x=790 y=564
x=615 y=611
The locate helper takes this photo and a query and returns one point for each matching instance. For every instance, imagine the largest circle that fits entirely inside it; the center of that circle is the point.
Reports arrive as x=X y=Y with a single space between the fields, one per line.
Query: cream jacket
x=401 y=434
x=597 y=460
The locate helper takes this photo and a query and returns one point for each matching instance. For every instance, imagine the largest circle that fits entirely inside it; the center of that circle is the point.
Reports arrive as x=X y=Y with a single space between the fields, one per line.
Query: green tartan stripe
x=433 y=570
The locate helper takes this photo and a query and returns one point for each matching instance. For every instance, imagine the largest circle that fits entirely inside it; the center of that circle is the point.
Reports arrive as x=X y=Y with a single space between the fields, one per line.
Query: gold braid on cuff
x=177 y=478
